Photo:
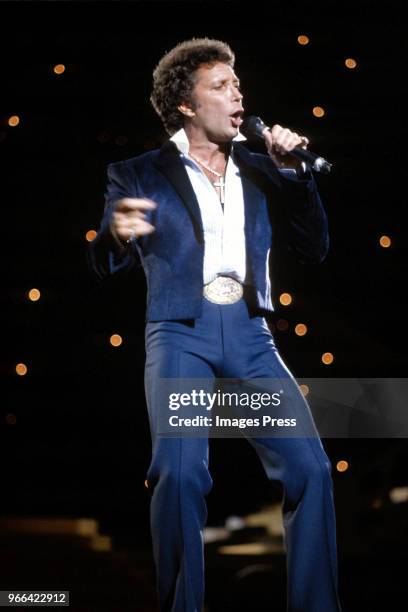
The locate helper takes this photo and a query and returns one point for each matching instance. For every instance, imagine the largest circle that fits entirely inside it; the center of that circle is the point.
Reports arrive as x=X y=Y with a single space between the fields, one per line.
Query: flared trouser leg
x=178 y=475
x=302 y=466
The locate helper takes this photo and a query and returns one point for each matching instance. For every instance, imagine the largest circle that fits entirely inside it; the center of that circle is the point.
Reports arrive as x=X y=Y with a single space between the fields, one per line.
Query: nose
x=237 y=95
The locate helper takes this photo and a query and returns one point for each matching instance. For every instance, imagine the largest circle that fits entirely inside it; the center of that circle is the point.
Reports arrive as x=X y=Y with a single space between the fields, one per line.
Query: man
x=199 y=214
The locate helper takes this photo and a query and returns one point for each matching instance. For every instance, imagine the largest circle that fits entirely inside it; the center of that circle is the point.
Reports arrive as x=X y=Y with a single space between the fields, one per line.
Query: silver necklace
x=220 y=183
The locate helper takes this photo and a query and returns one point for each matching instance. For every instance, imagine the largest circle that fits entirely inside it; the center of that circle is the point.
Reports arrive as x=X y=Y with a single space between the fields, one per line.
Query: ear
x=186 y=110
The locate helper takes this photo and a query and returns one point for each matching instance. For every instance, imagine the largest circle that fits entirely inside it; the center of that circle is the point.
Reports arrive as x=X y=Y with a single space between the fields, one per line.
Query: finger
x=280 y=139
x=137 y=214
x=147 y=204
x=275 y=131
x=276 y=137
x=143 y=228
x=287 y=140
x=294 y=141
x=284 y=140
x=304 y=142
x=125 y=204
x=140 y=225
x=128 y=216
x=125 y=225
x=268 y=137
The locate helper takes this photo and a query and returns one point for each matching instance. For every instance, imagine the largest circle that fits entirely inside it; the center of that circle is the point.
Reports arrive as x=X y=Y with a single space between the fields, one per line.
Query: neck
x=205 y=149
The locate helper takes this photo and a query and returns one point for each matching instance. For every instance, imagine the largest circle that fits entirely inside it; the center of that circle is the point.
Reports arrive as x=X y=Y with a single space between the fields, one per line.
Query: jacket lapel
x=172 y=167
x=250 y=190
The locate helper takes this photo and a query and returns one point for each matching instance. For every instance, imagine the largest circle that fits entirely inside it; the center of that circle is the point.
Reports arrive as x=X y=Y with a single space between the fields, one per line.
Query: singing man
x=201 y=214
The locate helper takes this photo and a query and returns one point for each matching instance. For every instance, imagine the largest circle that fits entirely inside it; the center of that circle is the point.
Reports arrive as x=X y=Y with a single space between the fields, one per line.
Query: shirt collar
x=181 y=141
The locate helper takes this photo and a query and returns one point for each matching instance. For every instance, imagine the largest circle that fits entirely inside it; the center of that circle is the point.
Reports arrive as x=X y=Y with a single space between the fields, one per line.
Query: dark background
x=74 y=430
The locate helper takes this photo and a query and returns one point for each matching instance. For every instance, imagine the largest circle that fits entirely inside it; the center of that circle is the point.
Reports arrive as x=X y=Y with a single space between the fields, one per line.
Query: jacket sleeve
x=107 y=253
x=307 y=222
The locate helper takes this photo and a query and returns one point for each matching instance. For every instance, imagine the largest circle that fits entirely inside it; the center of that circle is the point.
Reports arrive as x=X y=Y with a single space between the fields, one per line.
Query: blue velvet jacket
x=172 y=256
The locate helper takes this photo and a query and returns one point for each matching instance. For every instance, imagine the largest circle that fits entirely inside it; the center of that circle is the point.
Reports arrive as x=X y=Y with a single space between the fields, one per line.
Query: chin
x=228 y=135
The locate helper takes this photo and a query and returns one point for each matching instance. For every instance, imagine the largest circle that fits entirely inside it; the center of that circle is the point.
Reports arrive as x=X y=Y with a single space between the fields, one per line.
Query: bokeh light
x=350 y=63
x=300 y=329
x=342 y=465
x=13 y=120
x=327 y=358
x=21 y=369
x=90 y=235
x=304 y=389
x=59 y=68
x=385 y=241
x=34 y=295
x=318 y=111
x=115 y=340
x=285 y=299
x=303 y=39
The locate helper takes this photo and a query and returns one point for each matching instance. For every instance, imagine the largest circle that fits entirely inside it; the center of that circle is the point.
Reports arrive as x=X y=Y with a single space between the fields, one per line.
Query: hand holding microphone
x=286 y=148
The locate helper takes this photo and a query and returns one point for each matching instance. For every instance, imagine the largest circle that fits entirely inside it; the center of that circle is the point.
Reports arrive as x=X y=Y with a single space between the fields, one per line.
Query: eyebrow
x=222 y=81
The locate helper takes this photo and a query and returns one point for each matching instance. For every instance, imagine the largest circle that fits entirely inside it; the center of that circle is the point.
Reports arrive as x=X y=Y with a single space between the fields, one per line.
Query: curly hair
x=173 y=77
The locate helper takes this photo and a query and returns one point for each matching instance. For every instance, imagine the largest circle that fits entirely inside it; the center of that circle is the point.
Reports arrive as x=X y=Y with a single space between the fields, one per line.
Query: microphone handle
x=318 y=163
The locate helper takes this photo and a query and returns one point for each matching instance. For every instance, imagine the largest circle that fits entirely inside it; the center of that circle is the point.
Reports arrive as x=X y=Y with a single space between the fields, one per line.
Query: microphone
x=254 y=126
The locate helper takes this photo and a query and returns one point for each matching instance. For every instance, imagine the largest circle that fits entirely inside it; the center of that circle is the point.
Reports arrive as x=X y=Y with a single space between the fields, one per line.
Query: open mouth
x=236 y=118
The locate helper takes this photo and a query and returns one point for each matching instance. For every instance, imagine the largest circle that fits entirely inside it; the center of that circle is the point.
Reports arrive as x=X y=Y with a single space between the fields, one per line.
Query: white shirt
x=224 y=236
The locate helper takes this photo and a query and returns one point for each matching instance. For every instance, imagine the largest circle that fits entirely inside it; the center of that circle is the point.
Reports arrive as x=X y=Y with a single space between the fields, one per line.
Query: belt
x=223 y=290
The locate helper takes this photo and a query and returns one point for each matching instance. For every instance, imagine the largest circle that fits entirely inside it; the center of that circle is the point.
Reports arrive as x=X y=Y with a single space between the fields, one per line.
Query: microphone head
x=253 y=127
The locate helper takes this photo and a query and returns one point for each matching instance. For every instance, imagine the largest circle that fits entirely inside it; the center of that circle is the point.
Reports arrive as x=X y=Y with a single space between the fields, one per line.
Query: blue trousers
x=227 y=342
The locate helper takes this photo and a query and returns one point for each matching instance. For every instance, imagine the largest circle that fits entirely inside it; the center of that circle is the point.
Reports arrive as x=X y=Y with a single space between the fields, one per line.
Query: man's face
x=217 y=102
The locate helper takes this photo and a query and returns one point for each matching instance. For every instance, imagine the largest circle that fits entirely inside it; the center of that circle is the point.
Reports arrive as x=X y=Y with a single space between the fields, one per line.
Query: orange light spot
x=350 y=63
x=318 y=111
x=13 y=120
x=115 y=340
x=327 y=358
x=59 y=68
x=21 y=369
x=285 y=299
x=342 y=466
x=301 y=329
x=385 y=242
x=34 y=295
x=90 y=235
x=304 y=389
x=303 y=39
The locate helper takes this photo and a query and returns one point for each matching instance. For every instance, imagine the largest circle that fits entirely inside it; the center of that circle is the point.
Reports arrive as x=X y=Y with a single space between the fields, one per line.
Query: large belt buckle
x=223 y=290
